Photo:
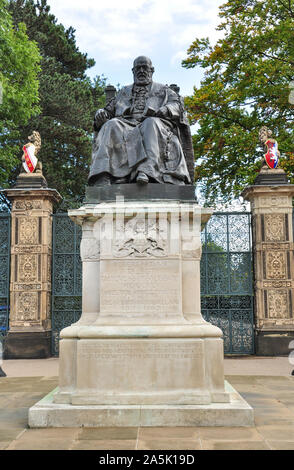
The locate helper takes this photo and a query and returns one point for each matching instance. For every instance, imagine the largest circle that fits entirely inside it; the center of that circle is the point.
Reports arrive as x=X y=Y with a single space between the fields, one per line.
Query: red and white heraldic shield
x=272 y=154
x=30 y=160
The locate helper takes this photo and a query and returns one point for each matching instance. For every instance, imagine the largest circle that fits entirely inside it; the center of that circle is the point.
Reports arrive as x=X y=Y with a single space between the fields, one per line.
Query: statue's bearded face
x=142 y=71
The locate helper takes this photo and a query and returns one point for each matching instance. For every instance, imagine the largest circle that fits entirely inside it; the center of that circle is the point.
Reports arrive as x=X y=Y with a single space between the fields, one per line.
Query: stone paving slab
x=107 y=434
x=169 y=433
x=271 y=397
x=281 y=445
x=235 y=445
x=169 y=444
x=4 y=445
x=100 y=444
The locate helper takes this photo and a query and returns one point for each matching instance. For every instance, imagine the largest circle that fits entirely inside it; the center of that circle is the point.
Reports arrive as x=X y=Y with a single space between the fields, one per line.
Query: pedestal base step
x=46 y=413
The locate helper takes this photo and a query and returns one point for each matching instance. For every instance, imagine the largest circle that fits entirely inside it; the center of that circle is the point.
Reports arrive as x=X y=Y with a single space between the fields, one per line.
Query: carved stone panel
x=27 y=205
x=278 y=303
x=26 y=249
x=27 y=307
x=276 y=265
x=28 y=268
x=90 y=249
x=141 y=238
x=274 y=227
x=28 y=230
x=274 y=201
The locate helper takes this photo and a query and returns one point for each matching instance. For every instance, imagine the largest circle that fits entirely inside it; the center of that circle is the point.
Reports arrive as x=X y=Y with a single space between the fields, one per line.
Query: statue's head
x=142 y=70
x=264 y=134
x=35 y=139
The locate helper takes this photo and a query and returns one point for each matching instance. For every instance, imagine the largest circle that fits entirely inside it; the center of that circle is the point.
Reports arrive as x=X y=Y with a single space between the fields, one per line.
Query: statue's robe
x=134 y=140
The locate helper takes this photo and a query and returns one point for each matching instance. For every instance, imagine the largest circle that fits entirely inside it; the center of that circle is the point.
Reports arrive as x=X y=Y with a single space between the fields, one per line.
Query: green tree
x=19 y=66
x=68 y=100
x=245 y=85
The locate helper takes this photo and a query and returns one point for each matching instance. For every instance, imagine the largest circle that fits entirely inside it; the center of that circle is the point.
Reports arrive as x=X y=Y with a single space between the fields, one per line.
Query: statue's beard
x=143 y=79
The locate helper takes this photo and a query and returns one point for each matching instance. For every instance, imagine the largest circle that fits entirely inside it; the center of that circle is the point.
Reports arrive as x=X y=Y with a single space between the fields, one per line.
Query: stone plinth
x=29 y=333
x=141 y=353
x=271 y=207
x=31 y=181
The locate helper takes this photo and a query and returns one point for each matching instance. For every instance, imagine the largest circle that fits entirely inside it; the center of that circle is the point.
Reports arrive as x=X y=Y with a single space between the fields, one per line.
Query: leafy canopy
x=68 y=100
x=19 y=67
x=245 y=85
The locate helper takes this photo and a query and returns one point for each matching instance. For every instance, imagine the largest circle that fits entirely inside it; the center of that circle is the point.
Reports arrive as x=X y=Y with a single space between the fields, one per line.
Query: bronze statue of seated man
x=138 y=134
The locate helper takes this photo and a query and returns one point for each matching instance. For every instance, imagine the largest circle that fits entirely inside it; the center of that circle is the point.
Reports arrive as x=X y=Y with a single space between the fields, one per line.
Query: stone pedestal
x=29 y=334
x=141 y=353
x=271 y=207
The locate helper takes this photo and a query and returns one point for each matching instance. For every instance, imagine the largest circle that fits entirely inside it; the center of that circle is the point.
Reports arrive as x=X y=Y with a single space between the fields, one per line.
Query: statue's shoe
x=102 y=180
x=142 y=178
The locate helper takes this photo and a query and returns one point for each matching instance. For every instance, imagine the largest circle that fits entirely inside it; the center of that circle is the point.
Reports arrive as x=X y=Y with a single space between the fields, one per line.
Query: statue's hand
x=101 y=117
x=162 y=112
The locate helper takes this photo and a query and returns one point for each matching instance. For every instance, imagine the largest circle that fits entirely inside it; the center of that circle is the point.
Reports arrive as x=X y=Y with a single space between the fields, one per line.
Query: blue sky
x=114 y=32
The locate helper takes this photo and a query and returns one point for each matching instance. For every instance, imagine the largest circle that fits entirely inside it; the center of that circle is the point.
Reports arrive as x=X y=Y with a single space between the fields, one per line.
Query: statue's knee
x=151 y=122
x=111 y=123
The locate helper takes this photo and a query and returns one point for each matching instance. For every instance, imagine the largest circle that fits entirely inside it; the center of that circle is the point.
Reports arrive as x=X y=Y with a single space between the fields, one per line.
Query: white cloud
x=116 y=27
x=114 y=32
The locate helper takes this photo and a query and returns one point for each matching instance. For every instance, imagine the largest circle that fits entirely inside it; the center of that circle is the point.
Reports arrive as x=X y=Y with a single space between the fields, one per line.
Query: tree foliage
x=68 y=99
x=19 y=66
x=245 y=85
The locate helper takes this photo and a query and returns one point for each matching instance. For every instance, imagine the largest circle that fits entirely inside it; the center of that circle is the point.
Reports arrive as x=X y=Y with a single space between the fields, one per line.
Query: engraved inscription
x=119 y=352
x=132 y=286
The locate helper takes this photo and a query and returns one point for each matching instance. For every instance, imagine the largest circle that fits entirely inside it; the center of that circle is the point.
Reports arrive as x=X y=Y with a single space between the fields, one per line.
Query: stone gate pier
x=271 y=204
x=29 y=334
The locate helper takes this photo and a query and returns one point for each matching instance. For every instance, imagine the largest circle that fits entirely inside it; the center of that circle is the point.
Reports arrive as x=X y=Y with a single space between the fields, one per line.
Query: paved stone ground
x=272 y=398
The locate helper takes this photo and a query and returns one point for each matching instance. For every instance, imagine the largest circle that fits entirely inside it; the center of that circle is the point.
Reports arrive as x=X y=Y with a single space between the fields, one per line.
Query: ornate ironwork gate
x=226 y=278
x=4 y=270
x=66 y=275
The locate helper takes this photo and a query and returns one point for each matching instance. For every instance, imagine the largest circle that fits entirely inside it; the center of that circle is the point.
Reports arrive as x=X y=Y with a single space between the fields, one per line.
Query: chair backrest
x=185 y=136
x=110 y=92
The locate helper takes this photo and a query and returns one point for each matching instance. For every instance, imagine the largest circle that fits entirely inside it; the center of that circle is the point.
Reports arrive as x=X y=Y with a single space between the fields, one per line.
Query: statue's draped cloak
x=128 y=143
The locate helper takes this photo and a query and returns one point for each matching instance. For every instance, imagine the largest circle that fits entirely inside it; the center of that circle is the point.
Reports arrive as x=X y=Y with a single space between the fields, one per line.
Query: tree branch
x=277 y=58
x=288 y=8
